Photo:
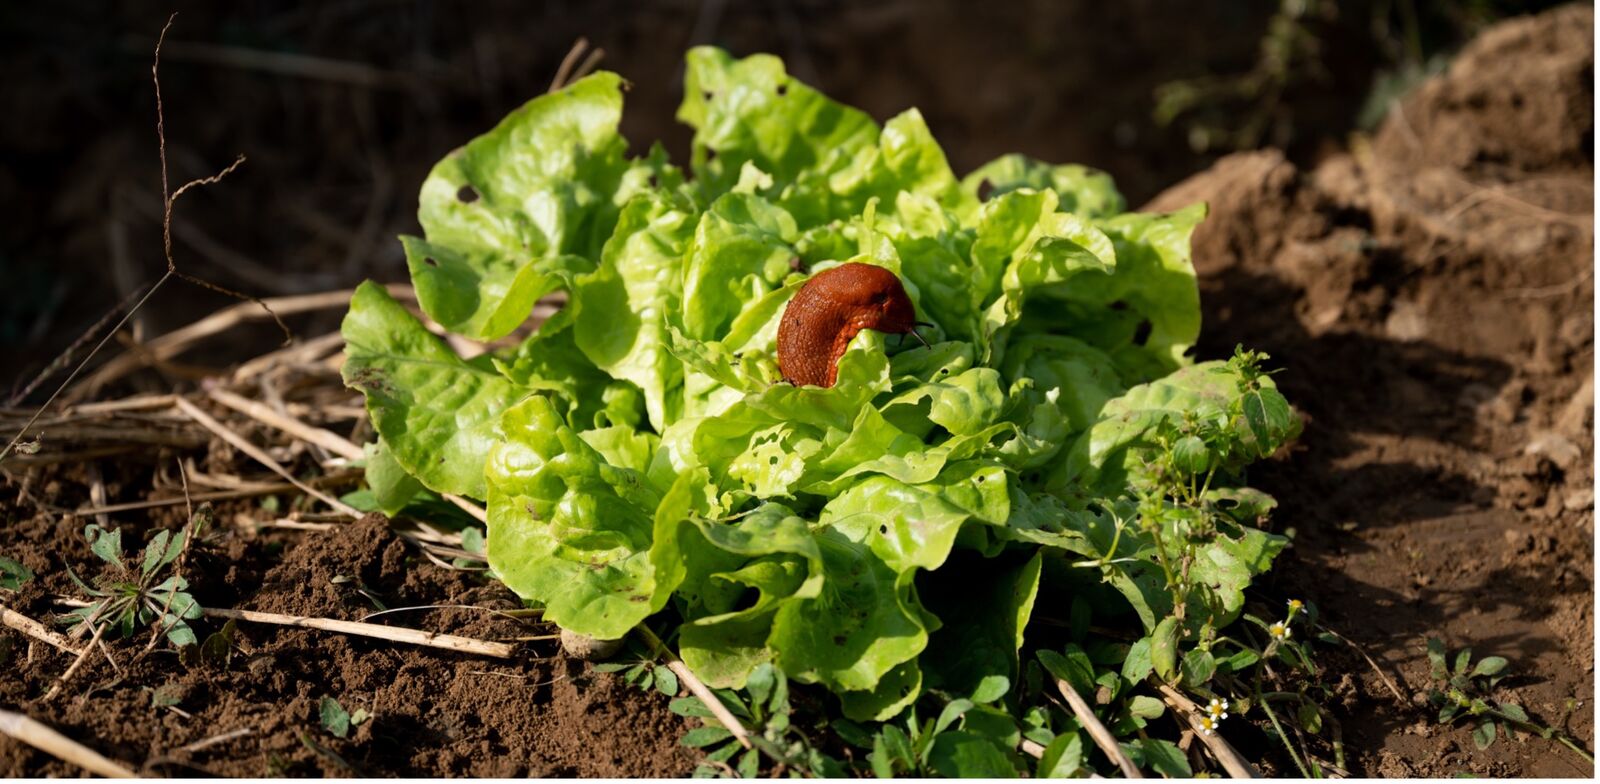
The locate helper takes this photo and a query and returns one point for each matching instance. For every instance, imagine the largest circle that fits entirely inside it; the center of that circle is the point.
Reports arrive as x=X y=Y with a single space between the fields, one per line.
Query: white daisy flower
x=1279 y=630
x=1208 y=725
x=1295 y=605
x=1218 y=709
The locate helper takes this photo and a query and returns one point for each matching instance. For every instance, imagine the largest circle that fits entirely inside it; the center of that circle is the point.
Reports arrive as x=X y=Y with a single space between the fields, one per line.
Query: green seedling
x=132 y=597
x=13 y=574
x=778 y=746
x=338 y=721
x=1465 y=692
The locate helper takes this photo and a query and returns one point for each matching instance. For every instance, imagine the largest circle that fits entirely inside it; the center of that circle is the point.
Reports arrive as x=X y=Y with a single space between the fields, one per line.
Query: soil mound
x=1429 y=296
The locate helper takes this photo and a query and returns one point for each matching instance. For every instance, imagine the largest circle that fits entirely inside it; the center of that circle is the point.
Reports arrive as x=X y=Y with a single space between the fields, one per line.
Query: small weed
x=13 y=574
x=642 y=672
x=1464 y=691
x=338 y=721
x=216 y=650
x=134 y=599
x=763 y=706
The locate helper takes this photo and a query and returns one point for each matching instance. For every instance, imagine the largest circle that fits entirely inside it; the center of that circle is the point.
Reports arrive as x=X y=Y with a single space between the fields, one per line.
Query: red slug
x=829 y=310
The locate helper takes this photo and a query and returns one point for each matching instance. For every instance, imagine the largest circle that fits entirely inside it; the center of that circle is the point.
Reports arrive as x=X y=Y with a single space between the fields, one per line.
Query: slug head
x=873 y=296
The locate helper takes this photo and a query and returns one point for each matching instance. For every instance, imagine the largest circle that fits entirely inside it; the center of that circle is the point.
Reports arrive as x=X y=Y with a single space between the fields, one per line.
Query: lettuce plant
x=1054 y=446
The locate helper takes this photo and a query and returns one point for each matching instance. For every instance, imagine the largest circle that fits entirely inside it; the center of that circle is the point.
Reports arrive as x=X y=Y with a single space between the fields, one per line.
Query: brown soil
x=433 y=713
x=1429 y=298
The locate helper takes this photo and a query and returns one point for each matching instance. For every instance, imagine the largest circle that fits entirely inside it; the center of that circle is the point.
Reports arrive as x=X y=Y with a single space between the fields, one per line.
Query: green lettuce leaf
x=518 y=211
x=624 y=307
x=1080 y=189
x=438 y=413
x=569 y=529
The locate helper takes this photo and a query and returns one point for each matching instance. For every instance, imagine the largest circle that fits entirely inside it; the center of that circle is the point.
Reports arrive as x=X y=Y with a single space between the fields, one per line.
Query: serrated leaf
x=666 y=681
x=689 y=706
x=959 y=754
x=1165 y=758
x=1513 y=711
x=851 y=733
x=1072 y=666
x=1138 y=665
x=952 y=711
x=1198 y=667
x=750 y=764
x=1146 y=707
x=1436 y=658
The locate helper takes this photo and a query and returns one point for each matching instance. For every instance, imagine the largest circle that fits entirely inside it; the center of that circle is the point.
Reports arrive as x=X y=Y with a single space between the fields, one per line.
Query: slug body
x=829 y=310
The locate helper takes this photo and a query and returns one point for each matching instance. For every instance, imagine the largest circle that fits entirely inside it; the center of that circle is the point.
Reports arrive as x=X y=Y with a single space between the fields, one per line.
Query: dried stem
x=264 y=414
x=221 y=495
x=60 y=746
x=1097 y=731
x=99 y=630
x=565 y=70
x=166 y=228
x=326 y=439
x=1237 y=766
x=468 y=506
x=695 y=685
x=36 y=630
x=206 y=743
x=447 y=642
x=260 y=456
x=177 y=341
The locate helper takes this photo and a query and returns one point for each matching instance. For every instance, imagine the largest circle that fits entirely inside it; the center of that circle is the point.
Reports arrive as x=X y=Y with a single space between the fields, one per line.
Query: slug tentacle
x=828 y=312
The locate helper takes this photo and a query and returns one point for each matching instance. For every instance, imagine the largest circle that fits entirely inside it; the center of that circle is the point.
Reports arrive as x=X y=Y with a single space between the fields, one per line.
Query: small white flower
x=1279 y=630
x=1218 y=709
x=1295 y=605
x=1208 y=725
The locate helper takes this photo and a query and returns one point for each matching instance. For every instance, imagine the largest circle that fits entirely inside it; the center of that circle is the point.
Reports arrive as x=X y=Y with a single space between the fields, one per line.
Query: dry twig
x=447 y=642
x=172 y=268
x=264 y=414
x=696 y=686
x=99 y=630
x=253 y=491
x=206 y=743
x=1097 y=731
x=179 y=340
x=1237 y=766
x=1400 y=698
x=243 y=445
x=36 y=630
x=564 y=72
x=61 y=747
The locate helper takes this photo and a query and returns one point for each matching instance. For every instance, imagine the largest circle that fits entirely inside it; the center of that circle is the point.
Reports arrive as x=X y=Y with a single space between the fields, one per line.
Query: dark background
x=342 y=107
